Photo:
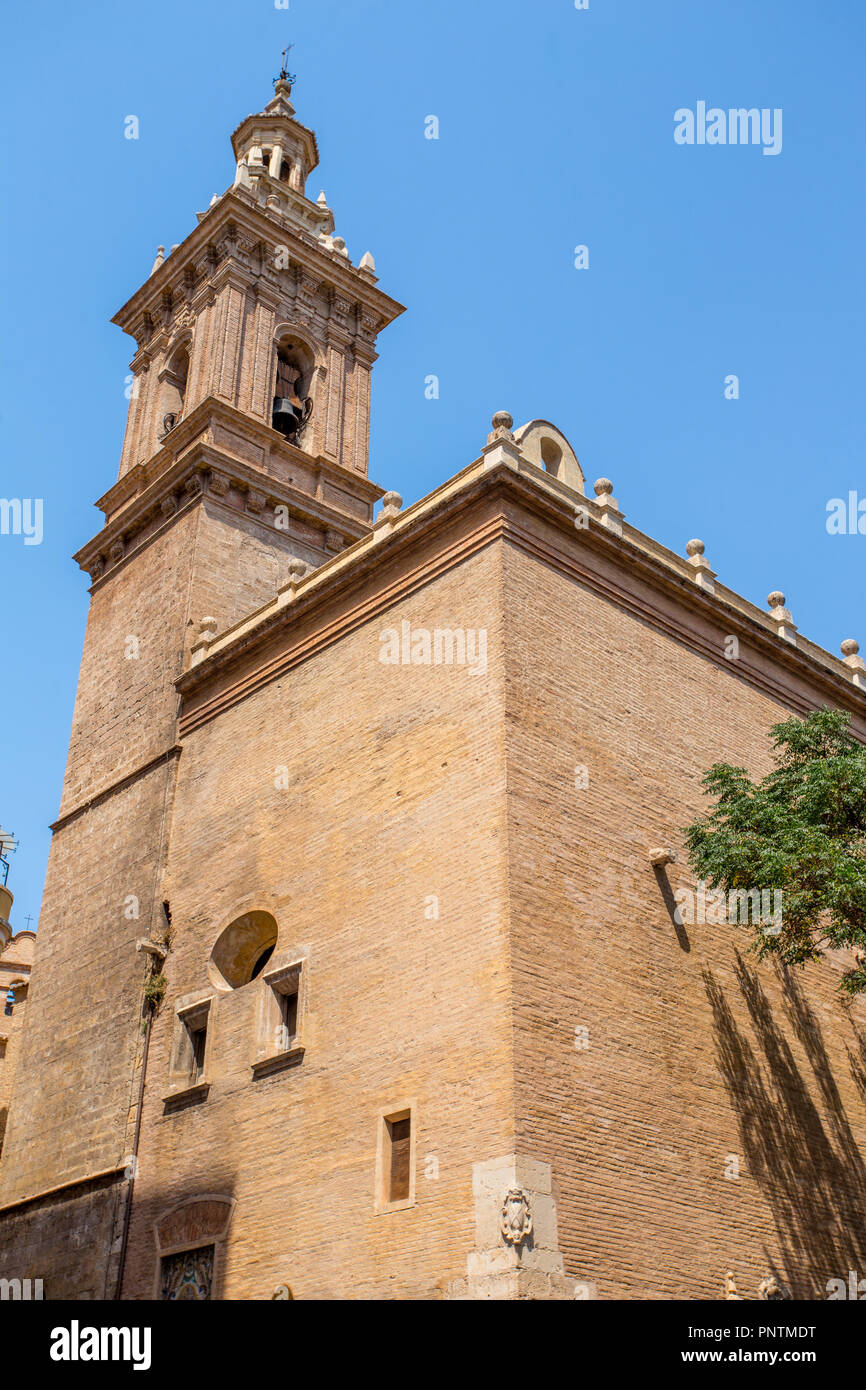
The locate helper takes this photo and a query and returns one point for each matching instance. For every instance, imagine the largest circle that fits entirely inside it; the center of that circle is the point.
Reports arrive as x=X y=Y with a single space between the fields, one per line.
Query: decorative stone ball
x=502 y=420
x=603 y=487
x=695 y=548
x=392 y=499
x=776 y=599
x=297 y=568
x=850 y=647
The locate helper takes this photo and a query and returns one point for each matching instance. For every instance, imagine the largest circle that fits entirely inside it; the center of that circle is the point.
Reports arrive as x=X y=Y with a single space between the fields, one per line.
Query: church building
x=358 y=973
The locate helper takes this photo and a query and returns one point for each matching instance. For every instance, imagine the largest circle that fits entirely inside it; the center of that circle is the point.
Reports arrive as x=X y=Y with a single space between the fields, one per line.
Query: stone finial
x=781 y=617
x=703 y=574
x=368 y=263
x=322 y=200
x=503 y=425
x=611 y=516
x=298 y=571
x=207 y=629
x=855 y=662
x=661 y=857
x=160 y=259
x=392 y=505
x=502 y=446
x=731 y=1289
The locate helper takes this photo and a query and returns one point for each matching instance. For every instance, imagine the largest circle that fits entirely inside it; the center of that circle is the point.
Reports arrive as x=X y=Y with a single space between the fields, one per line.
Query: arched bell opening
x=293 y=404
x=174 y=380
x=546 y=446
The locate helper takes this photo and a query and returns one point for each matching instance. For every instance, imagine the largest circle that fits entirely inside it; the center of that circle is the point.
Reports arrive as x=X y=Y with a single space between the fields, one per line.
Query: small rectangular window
x=198 y=1039
x=400 y=1143
x=395 y=1157
x=289 y=1017
x=190 y=1050
x=279 y=1031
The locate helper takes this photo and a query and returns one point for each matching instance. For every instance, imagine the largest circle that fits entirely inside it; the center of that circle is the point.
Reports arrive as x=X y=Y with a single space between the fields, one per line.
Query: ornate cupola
x=255 y=341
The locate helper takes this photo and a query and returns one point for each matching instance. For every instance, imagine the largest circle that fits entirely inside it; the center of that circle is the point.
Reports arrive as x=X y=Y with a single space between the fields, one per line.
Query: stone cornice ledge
x=187 y=433
x=661 y=591
x=193 y=473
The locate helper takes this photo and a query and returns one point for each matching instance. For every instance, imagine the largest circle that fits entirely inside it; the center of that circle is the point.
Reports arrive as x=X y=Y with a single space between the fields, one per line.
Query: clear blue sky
x=556 y=129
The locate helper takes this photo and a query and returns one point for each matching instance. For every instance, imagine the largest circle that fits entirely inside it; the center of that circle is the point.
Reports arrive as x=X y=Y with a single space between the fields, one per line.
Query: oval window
x=243 y=950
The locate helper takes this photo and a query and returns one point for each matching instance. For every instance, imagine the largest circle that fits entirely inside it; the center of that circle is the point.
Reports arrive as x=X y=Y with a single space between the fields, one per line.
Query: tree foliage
x=801 y=830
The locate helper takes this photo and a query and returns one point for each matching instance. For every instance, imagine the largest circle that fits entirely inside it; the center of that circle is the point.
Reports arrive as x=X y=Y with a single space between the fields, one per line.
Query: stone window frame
x=406 y=1109
x=279 y=974
x=217 y=1236
x=181 y=1085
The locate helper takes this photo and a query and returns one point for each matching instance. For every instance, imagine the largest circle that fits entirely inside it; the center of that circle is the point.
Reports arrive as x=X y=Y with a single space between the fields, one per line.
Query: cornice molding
x=111 y=789
x=261 y=225
x=614 y=567
x=166 y=489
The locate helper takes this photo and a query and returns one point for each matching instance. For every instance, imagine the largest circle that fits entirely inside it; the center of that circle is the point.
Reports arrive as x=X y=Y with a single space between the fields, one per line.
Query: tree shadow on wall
x=805 y=1161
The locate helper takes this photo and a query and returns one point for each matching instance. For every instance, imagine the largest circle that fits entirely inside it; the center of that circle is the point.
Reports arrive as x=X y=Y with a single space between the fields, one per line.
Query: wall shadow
x=671 y=904
x=806 y=1161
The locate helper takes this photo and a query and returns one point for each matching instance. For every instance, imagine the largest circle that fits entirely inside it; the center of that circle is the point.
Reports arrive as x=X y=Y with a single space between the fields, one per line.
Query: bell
x=288 y=415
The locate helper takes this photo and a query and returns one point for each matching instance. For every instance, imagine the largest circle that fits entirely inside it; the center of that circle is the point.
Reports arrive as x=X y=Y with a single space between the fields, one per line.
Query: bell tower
x=259 y=324
x=244 y=463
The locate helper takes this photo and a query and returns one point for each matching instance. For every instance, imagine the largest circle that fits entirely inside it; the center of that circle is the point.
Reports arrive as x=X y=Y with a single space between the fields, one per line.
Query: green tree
x=801 y=830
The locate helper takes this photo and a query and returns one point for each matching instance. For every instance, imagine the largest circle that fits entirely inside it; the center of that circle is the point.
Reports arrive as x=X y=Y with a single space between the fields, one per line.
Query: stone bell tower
x=244 y=466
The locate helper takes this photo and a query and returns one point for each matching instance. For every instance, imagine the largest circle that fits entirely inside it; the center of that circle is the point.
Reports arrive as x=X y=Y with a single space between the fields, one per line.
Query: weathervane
x=285 y=75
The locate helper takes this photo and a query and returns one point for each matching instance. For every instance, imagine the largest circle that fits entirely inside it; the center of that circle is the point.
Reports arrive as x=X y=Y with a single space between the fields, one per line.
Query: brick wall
x=695 y=1053
x=395 y=795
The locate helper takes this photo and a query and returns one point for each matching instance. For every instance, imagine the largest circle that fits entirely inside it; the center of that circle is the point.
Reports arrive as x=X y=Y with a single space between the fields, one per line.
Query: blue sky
x=555 y=130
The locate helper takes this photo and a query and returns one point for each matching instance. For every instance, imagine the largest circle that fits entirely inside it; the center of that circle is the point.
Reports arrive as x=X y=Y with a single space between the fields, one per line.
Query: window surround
x=407 y=1110
x=191 y=1013
x=285 y=976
